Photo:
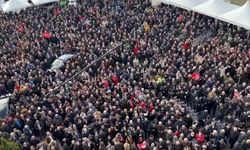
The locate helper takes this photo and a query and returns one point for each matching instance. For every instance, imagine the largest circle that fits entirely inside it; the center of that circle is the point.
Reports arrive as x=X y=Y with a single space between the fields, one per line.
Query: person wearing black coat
x=119 y=146
x=59 y=134
x=34 y=141
x=188 y=120
x=233 y=136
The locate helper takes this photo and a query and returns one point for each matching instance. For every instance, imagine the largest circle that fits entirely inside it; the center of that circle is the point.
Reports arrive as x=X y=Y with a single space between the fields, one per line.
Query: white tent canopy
x=239 y=16
x=15 y=5
x=39 y=2
x=156 y=2
x=186 y=4
x=214 y=8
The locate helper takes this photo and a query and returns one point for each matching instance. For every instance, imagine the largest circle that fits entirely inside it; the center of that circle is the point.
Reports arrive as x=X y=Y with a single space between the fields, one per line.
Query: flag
x=196 y=76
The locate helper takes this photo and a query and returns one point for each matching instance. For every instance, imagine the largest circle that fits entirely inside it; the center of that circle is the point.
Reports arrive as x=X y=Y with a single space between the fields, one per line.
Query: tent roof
x=39 y=2
x=239 y=16
x=15 y=5
x=156 y=2
x=214 y=8
x=186 y=4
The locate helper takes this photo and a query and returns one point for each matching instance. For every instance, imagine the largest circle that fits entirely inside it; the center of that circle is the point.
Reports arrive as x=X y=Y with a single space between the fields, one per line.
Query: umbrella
x=65 y=57
x=59 y=62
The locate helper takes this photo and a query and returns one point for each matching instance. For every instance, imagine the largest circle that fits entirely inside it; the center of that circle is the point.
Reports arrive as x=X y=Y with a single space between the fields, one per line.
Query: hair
x=126 y=146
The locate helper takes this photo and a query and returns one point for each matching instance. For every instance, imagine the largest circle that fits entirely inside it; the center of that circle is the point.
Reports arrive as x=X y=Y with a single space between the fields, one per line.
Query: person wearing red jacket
x=136 y=49
x=196 y=76
x=151 y=107
x=105 y=84
x=21 y=27
x=186 y=45
x=115 y=79
x=200 y=137
x=47 y=35
x=143 y=105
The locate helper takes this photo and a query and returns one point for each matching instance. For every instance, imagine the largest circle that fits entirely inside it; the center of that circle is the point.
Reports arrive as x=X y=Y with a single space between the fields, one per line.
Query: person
x=146 y=98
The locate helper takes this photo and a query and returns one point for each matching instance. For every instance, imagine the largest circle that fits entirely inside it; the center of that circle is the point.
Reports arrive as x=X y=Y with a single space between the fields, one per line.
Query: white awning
x=214 y=8
x=186 y=4
x=155 y=2
x=239 y=16
x=15 y=5
x=1 y=2
x=39 y=2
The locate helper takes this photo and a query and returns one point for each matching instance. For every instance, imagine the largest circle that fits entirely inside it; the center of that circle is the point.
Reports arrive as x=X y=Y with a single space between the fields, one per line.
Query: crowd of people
x=162 y=87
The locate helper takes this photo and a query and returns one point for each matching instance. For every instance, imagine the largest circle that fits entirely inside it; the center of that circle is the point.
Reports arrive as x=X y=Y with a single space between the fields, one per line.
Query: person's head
x=222 y=131
x=170 y=132
x=177 y=143
x=235 y=129
x=192 y=134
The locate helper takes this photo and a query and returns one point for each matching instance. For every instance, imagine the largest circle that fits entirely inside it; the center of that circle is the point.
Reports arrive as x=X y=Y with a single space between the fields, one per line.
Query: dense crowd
x=169 y=85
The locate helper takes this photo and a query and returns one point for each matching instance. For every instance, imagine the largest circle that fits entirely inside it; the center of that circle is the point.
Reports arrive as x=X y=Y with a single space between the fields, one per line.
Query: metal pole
x=71 y=78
